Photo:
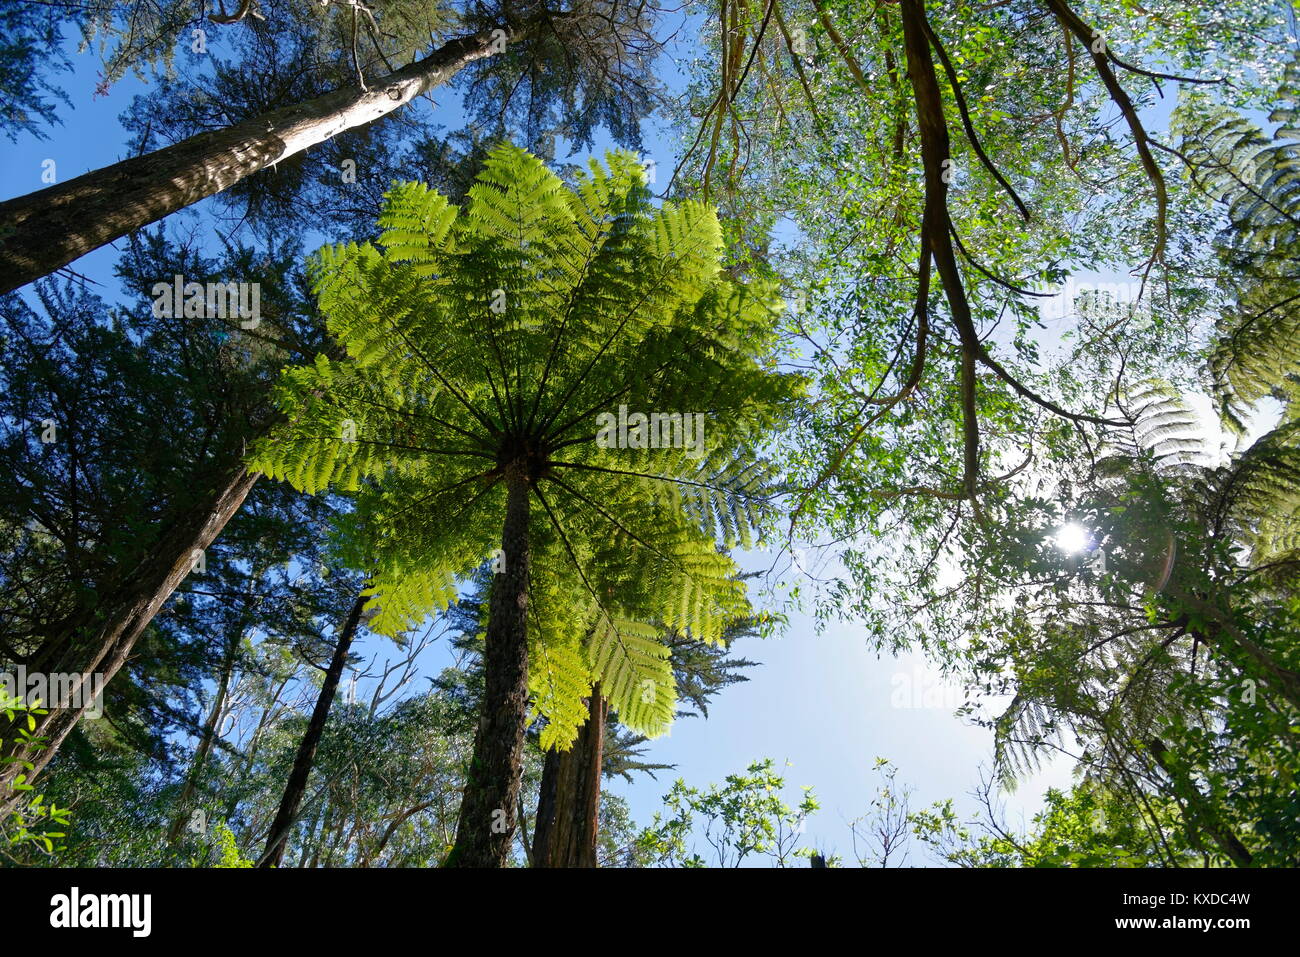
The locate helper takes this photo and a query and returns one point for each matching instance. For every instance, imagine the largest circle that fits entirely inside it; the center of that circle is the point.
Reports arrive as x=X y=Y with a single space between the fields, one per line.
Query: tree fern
x=1257 y=181
x=483 y=347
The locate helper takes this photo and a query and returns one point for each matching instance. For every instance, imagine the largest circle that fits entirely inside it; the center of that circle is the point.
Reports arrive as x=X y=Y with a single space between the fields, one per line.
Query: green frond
x=416 y=223
x=1257 y=180
x=402 y=597
x=635 y=673
x=559 y=681
x=1166 y=428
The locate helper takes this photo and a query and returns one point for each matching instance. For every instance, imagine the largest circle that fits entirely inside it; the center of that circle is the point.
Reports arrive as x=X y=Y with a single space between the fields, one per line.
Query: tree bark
x=936 y=225
x=488 y=811
x=47 y=229
x=278 y=837
x=121 y=619
x=568 y=809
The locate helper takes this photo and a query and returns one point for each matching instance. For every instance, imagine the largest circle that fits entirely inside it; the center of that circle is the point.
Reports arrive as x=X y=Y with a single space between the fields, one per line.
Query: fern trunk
x=568 y=809
x=278 y=837
x=101 y=647
x=41 y=231
x=488 y=811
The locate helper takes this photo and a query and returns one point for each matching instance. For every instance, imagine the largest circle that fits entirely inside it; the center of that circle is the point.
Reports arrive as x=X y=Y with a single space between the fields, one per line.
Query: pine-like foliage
x=490 y=338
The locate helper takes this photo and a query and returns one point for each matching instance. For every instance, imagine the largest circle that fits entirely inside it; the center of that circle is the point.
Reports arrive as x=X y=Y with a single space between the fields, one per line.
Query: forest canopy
x=410 y=410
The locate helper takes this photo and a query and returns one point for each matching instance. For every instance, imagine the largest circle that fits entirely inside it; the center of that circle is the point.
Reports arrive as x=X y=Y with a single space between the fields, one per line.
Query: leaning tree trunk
x=278 y=838
x=486 y=827
x=568 y=808
x=41 y=231
x=102 y=649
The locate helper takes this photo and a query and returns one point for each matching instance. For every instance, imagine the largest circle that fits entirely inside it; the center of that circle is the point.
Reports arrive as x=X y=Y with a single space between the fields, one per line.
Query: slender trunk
x=342 y=839
x=206 y=738
x=318 y=837
x=935 y=228
x=486 y=829
x=568 y=810
x=250 y=756
x=50 y=228
x=122 y=619
x=525 y=841
x=278 y=837
x=396 y=821
x=307 y=845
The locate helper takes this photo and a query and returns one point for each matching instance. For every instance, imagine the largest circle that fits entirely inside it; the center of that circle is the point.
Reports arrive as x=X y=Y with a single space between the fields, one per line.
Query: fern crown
x=483 y=345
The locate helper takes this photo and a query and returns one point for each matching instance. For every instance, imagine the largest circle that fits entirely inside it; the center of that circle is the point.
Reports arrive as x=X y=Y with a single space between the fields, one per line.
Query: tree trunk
x=318 y=836
x=206 y=738
x=568 y=810
x=305 y=851
x=44 y=230
x=122 y=618
x=396 y=820
x=486 y=827
x=278 y=837
x=250 y=755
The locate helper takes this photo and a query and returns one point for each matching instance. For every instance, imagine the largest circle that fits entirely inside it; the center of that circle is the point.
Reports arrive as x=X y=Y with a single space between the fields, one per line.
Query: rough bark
x=568 y=809
x=488 y=811
x=103 y=647
x=47 y=229
x=278 y=837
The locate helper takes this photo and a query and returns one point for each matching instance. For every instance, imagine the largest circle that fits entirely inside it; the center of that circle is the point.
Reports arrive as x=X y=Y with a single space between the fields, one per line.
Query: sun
x=1072 y=538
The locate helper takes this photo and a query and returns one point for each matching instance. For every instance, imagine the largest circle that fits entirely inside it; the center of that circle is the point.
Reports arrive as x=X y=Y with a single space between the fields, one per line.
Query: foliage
x=32 y=822
x=442 y=394
x=29 y=51
x=228 y=852
x=884 y=828
x=1256 y=181
x=940 y=192
x=744 y=816
x=1087 y=826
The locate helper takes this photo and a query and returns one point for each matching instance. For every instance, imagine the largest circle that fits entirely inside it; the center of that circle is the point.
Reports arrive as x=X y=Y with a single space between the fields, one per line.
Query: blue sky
x=822 y=702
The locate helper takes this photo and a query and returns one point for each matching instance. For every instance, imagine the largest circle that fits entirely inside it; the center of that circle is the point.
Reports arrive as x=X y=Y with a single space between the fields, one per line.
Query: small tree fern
x=484 y=345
